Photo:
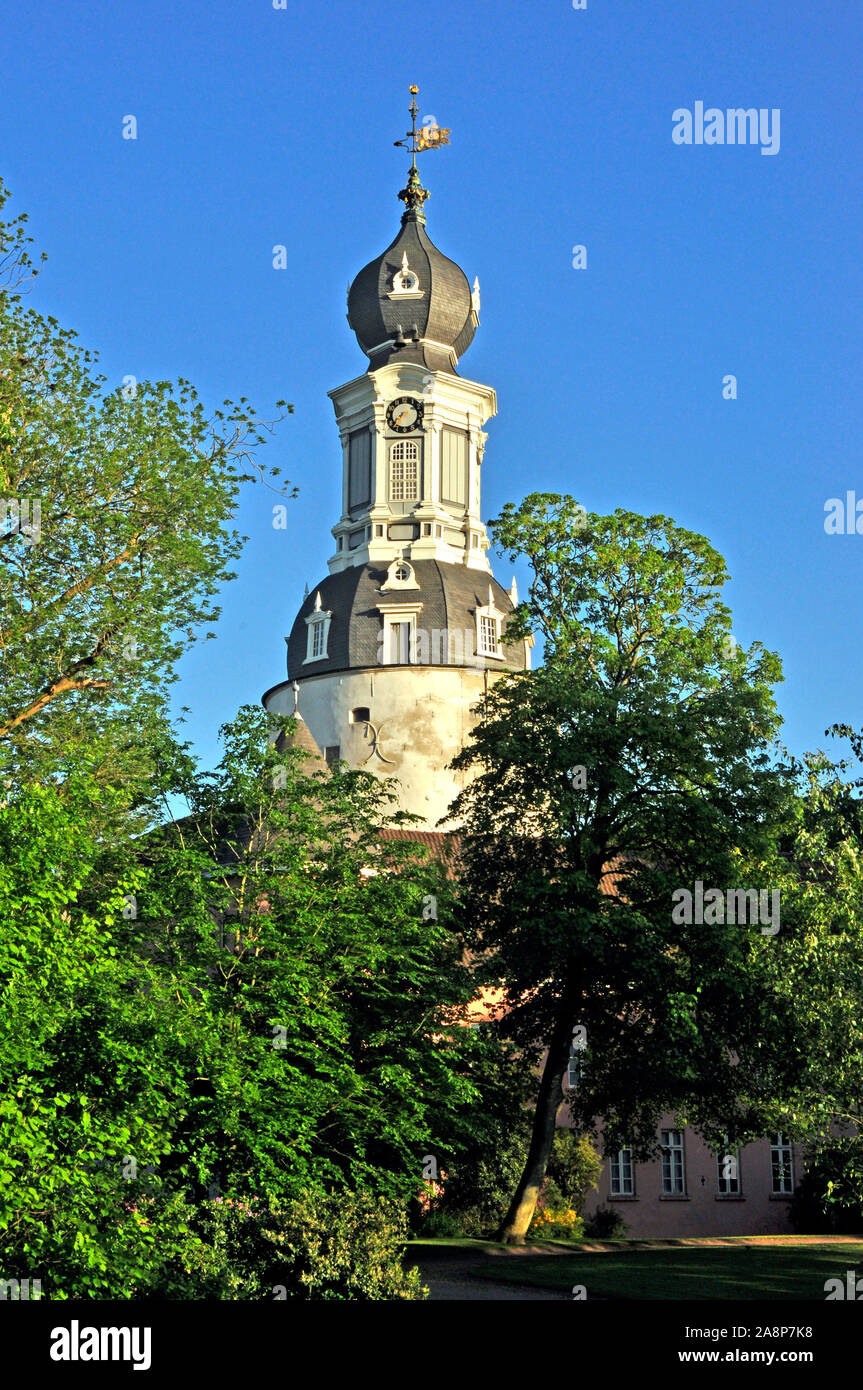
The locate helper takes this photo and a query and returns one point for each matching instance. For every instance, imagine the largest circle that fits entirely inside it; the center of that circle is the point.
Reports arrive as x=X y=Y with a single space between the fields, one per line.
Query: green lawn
x=701 y=1272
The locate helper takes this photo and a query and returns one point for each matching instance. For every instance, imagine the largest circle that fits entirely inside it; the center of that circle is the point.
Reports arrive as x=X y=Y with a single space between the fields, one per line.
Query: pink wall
x=702 y=1211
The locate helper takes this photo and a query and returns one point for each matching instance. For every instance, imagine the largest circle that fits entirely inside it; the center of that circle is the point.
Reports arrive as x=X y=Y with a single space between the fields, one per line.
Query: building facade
x=390 y=654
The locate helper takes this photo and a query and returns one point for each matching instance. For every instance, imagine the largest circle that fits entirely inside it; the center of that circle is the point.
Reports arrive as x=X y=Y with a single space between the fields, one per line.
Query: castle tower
x=393 y=649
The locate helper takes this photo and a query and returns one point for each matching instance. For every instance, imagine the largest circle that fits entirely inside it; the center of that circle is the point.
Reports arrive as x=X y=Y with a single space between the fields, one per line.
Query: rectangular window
x=453 y=467
x=673 y=1176
x=488 y=638
x=318 y=631
x=332 y=753
x=404 y=471
x=622 y=1184
x=359 y=470
x=728 y=1173
x=400 y=643
x=781 y=1165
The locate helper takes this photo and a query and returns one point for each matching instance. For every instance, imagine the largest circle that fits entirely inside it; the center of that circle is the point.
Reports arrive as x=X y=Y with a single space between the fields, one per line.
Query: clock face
x=404 y=414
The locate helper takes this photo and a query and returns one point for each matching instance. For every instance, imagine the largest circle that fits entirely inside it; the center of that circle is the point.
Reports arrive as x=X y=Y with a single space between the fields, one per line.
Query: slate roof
x=450 y=596
x=303 y=738
x=444 y=313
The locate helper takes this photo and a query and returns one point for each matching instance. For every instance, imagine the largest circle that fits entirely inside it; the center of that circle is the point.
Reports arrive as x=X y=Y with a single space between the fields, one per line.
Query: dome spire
x=430 y=137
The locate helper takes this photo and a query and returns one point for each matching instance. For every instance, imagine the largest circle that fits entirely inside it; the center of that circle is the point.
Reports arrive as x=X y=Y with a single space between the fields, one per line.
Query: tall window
x=622 y=1182
x=673 y=1175
x=400 y=644
x=404 y=471
x=489 y=640
x=781 y=1164
x=728 y=1172
x=359 y=470
x=317 y=630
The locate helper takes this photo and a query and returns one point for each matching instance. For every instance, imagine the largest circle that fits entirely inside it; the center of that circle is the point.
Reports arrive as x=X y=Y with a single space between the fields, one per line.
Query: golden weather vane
x=430 y=136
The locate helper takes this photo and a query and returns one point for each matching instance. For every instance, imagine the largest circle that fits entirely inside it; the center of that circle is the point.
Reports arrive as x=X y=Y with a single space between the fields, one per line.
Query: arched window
x=404 y=471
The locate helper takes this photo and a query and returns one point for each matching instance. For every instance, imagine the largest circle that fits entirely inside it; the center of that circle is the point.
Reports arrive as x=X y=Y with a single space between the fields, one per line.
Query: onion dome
x=412 y=303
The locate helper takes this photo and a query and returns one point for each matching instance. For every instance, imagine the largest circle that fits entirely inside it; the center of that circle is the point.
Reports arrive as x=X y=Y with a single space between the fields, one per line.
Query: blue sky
x=259 y=127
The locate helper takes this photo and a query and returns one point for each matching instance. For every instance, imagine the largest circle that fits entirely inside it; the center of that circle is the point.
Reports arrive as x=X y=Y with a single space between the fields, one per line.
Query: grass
x=733 y=1271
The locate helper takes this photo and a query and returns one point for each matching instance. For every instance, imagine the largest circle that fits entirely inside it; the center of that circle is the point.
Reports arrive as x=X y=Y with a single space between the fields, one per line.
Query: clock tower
x=389 y=655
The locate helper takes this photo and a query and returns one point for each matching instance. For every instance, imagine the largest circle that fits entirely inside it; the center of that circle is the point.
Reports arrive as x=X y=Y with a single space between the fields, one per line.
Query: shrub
x=345 y=1246
x=575 y=1166
x=554 y=1218
x=828 y=1198
x=605 y=1224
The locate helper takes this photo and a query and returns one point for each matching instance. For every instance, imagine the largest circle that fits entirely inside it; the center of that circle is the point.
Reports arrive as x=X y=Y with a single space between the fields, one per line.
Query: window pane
x=400 y=641
x=404 y=471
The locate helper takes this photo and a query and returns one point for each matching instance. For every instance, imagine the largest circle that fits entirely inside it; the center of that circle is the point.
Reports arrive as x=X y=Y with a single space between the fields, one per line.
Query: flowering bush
x=554 y=1219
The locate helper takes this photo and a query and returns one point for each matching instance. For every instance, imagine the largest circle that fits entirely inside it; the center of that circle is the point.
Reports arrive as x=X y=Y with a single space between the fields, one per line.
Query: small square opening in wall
x=379 y=530
x=426 y=528
x=360 y=715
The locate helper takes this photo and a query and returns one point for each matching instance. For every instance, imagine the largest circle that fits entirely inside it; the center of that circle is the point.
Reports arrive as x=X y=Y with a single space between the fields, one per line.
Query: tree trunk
x=513 y=1229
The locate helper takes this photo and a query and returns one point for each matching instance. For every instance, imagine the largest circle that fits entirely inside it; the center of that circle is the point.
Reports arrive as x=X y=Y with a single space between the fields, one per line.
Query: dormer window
x=488 y=629
x=406 y=284
x=400 y=575
x=317 y=632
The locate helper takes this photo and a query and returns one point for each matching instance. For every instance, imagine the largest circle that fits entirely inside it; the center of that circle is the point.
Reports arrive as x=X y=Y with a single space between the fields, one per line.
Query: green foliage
x=554 y=1217
x=317 y=1247
x=250 y=1001
x=485 y=1145
x=91 y=1061
x=137 y=489
x=829 y=1196
x=569 y=888
x=574 y=1166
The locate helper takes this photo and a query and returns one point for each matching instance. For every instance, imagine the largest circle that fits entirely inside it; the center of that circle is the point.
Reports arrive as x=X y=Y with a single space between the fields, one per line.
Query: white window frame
x=621 y=1173
x=492 y=614
x=781 y=1165
x=390 y=615
x=404 y=452
x=317 y=632
x=673 y=1163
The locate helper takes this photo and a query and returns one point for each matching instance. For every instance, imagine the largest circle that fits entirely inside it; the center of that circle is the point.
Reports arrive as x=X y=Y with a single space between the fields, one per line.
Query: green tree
x=93 y=1061
x=115 y=535
x=334 y=992
x=638 y=761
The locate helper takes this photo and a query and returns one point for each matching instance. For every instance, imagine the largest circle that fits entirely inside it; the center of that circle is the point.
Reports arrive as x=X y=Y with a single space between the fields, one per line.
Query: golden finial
x=430 y=137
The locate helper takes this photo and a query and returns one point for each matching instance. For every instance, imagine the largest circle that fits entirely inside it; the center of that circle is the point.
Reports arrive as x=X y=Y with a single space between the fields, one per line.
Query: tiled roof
x=442 y=314
x=450 y=596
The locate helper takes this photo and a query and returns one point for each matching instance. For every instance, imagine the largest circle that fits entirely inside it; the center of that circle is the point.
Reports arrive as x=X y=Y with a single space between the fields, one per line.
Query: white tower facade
x=390 y=655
